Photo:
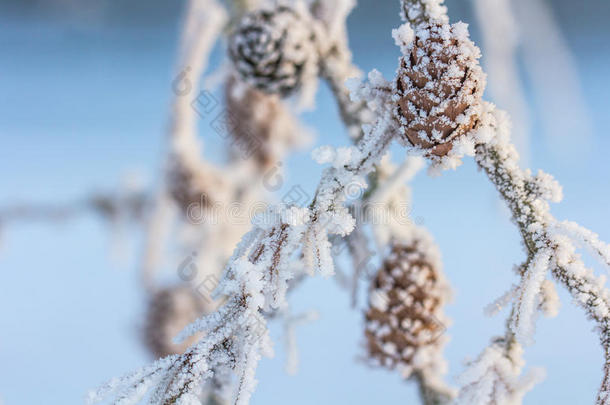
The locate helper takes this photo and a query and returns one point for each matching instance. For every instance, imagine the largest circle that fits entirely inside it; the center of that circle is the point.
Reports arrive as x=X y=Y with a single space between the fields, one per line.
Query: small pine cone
x=194 y=185
x=275 y=50
x=405 y=316
x=169 y=311
x=439 y=86
x=263 y=119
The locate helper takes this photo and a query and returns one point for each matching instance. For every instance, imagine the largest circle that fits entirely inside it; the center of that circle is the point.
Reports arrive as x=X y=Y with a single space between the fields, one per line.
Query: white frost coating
x=416 y=10
x=501 y=302
x=423 y=108
x=334 y=14
x=205 y=20
x=344 y=178
x=403 y=37
x=586 y=239
x=379 y=299
x=550 y=299
x=493 y=378
x=324 y=154
x=277 y=49
x=548 y=248
x=465 y=145
x=523 y=322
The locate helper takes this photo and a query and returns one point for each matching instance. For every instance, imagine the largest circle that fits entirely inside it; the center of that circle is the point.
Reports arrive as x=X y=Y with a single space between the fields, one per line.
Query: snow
x=494 y=377
x=529 y=298
x=403 y=37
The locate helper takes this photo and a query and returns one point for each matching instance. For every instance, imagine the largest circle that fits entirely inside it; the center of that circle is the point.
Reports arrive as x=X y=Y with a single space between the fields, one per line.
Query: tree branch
x=530 y=212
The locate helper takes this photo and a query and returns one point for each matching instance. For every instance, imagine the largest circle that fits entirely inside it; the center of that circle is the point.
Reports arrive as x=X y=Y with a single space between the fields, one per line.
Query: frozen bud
x=169 y=311
x=275 y=49
x=405 y=311
x=439 y=87
x=265 y=129
x=195 y=185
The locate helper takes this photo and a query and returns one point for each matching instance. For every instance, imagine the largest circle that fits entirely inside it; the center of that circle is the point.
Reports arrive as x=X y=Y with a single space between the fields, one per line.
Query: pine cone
x=169 y=311
x=275 y=50
x=405 y=314
x=439 y=85
x=195 y=185
x=262 y=118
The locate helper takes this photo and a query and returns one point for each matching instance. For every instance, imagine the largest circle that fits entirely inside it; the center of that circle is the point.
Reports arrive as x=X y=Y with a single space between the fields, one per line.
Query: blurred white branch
x=554 y=75
x=501 y=39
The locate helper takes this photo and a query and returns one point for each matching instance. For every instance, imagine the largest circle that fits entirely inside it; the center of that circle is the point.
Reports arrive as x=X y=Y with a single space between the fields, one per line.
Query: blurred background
x=85 y=90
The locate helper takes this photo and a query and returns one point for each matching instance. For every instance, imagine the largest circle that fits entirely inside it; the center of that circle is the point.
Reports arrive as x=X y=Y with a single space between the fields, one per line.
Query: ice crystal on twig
x=495 y=377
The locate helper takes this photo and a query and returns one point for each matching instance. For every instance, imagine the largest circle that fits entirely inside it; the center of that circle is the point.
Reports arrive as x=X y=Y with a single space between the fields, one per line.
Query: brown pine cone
x=169 y=311
x=405 y=314
x=275 y=49
x=439 y=87
x=194 y=185
x=263 y=119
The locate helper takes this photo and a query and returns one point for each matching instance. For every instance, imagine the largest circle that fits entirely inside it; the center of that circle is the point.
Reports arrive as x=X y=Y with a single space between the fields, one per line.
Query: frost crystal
x=494 y=378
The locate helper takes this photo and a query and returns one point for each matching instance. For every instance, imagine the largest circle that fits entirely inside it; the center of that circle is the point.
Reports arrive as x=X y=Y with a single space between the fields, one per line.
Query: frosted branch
x=129 y=205
x=494 y=378
x=500 y=41
x=418 y=12
x=337 y=67
x=586 y=239
x=256 y=278
x=527 y=197
x=204 y=20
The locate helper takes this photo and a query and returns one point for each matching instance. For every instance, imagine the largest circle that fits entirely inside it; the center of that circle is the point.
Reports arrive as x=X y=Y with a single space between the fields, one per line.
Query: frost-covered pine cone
x=192 y=184
x=262 y=119
x=404 y=322
x=169 y=311
x=439 y=85
x=275 y=49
